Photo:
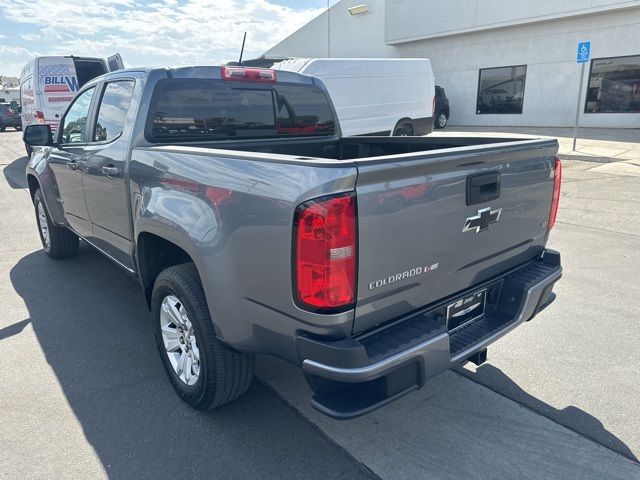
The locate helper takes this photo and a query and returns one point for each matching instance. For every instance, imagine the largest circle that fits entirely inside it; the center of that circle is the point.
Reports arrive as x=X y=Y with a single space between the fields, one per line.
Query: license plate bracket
x=465 y=310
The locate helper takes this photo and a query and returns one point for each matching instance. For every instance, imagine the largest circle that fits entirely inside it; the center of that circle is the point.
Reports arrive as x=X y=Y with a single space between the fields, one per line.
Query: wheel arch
x=403 y=121
x=33 y=183
x=154 y=253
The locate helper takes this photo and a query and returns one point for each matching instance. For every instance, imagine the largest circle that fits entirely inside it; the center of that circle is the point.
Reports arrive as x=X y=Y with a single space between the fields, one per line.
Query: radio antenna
x=242 y=49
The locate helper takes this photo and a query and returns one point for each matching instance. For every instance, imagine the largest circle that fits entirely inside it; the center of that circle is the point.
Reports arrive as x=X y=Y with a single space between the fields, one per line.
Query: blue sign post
x=582 y=57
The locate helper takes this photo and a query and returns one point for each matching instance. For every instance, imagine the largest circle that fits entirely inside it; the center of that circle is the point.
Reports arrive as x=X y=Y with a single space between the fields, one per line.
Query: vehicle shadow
x=94 y=328
x=571 y=416
x=14 y=173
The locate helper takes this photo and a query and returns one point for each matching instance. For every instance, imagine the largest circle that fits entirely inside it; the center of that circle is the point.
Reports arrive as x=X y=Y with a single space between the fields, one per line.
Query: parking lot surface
x=83 y=394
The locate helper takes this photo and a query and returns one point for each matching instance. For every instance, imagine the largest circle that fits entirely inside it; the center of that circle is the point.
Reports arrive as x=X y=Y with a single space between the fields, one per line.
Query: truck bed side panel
x=233 y=214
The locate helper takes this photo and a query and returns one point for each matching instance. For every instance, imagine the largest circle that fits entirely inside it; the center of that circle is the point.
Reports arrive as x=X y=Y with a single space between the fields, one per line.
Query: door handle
x=111 y=171
x=72 y=164
x=483 y=187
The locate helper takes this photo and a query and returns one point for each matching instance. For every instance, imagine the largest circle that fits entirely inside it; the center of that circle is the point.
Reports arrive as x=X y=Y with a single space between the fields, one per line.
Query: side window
x=74 y=127
x=112 y=111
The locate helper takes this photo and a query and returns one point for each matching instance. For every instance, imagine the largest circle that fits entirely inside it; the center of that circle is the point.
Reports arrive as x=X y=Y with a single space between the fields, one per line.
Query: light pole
x=328 y=30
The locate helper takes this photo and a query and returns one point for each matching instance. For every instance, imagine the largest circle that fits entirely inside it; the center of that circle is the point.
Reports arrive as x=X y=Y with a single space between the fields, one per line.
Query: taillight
x=39 y=116
x=557 y=181
x=248 y=74
x=326 y=253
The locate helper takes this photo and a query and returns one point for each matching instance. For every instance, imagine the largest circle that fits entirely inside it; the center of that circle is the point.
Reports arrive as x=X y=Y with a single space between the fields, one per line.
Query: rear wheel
x=441 y=120
x=204 y=372
x=57 y=242
x=403 y=130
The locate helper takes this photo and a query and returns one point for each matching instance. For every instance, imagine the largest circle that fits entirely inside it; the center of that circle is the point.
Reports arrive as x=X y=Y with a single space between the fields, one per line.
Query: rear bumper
x=353 y=377
x=12 y=121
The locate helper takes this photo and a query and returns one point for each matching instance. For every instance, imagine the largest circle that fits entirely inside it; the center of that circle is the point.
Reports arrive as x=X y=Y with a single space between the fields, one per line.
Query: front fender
x=38 y=168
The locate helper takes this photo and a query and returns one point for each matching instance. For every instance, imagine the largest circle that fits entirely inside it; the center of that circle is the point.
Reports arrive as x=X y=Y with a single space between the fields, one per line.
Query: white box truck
x=375 y=96
x=49 y=84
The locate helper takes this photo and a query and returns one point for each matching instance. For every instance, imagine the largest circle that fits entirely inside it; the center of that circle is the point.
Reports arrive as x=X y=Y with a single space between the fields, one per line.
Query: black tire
x=441 y=120
x=18 y=128
x=405 y=129
x=225 y=374
x=29 y=149
x=3 y=127
x=63 y=243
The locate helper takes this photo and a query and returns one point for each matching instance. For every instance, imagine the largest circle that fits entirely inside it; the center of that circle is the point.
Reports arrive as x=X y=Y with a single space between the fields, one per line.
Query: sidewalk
x=594 y=144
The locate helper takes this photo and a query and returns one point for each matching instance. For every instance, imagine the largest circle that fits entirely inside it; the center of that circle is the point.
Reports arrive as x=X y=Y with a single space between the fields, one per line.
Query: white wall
x=553 y=76
x=351 y=35
x=410 y=20
x=547 y=48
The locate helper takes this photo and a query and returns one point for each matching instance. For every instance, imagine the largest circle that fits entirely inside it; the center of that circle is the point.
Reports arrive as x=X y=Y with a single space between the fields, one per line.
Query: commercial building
x=501 y=62
x=9 y=94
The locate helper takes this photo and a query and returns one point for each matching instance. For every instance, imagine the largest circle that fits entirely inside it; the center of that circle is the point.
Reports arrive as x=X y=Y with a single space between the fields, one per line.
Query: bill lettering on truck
x=60 y=83
x=397 y=277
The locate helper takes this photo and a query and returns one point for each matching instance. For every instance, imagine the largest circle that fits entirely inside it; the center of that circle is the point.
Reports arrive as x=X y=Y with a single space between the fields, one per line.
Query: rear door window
x=88 y=70
x=112 y=111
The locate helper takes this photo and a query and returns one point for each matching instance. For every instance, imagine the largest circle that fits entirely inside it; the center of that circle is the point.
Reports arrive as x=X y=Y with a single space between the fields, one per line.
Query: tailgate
x=427 y=230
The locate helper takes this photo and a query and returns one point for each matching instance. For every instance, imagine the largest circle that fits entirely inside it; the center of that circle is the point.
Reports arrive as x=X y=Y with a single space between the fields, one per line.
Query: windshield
x=185 y=110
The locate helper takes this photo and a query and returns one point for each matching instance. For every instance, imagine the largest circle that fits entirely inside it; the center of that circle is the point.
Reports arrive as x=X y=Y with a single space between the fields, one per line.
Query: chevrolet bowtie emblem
x=481 y=222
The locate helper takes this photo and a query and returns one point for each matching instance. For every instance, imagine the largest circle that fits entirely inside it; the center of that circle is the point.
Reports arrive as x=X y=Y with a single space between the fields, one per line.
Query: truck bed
x=353 y=148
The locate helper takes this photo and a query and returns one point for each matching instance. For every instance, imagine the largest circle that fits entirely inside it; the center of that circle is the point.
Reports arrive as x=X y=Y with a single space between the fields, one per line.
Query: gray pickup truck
x=373 y=263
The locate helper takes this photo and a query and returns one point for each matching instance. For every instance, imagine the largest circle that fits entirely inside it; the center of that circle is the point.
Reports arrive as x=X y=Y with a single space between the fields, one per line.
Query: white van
x=49 y=84
x=375 y=96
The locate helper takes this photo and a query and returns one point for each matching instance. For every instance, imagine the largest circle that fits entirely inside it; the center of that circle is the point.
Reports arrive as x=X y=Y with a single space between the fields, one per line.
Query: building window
x=614 y=85
x=501 y=90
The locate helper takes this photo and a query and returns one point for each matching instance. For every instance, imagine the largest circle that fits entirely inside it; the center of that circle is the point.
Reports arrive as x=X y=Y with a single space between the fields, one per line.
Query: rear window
x=88 y=70
x=184 y=110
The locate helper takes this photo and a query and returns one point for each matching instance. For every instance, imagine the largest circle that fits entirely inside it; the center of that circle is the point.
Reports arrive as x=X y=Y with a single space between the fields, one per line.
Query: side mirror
x=38 y=136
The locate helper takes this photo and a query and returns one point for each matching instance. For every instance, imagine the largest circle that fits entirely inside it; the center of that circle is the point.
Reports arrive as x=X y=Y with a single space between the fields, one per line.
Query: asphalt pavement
x=82 y=391
x=83 y=394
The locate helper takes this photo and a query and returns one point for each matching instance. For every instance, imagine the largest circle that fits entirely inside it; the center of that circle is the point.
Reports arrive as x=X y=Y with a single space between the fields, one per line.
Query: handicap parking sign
x=584 y=52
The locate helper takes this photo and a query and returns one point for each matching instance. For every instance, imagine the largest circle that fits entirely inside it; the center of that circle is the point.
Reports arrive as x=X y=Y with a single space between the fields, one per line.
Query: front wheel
x=204 y=372
x=57 y=242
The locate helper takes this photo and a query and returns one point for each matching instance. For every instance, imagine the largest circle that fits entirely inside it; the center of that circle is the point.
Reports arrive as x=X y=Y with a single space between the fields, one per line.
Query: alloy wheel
x=179 y=340
x=43 y=223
